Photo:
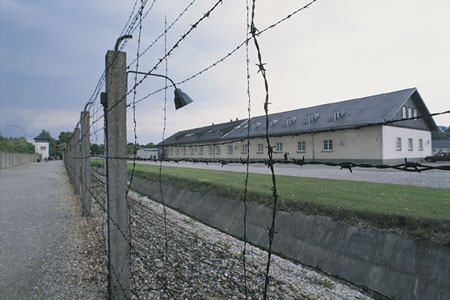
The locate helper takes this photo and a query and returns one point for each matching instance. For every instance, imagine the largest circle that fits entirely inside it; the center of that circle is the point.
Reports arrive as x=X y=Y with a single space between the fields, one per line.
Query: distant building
x=351 y=130
x=441 y=147
x=147 y=153
x=42 y=145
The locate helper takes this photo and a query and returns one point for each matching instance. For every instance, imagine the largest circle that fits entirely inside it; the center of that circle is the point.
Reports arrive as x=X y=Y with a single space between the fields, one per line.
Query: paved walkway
x=34 y=212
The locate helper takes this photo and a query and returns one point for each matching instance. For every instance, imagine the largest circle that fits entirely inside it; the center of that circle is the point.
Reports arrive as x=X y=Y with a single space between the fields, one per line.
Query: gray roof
x=353 y=113
x=209 y=133
x=440 y=144
x=43 y=137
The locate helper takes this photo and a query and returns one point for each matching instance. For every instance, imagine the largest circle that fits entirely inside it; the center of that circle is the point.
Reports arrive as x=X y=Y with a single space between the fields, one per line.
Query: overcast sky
x=52 y=54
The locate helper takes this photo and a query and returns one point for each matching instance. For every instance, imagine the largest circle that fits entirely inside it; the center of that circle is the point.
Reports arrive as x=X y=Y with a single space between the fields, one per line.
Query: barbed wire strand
x=247 y=63
x=175 y=46
x=114 y=223
x=110 y=267
x=262 y=70
x=229 y=54
x=165 y=31
x=221 y=59
x=166 y=238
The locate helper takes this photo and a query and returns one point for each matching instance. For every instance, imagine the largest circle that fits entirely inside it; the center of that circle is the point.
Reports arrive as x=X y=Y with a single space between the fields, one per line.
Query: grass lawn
x=420 y=210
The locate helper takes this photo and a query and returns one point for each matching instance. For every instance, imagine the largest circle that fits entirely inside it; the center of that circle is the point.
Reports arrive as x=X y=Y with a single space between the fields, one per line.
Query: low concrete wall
x=389 y=264
x=10 y=160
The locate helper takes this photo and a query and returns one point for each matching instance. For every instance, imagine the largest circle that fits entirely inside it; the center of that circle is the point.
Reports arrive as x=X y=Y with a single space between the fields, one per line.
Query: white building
x=353 y=131
x=42 y=145
x=147 y=153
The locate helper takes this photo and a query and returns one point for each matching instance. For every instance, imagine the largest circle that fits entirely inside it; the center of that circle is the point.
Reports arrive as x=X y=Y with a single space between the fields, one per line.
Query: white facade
x=147 y=153
x=42 y=148
x=400 y=143
x=375 y=144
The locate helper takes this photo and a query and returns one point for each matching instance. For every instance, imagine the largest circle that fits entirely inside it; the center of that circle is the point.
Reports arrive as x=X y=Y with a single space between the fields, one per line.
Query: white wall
x=349 y=144
x=39 y=149
x=390 y=135
x=146 y=153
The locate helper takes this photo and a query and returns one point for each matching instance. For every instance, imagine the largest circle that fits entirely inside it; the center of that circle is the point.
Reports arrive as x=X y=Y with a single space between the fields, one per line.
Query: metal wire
x=262 y=70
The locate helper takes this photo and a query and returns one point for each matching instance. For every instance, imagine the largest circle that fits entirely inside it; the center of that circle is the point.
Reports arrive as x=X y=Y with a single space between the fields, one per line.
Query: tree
x=97 y=149
x=15 y=145
x=62 y=142
x=131 y=148
x=443 y=133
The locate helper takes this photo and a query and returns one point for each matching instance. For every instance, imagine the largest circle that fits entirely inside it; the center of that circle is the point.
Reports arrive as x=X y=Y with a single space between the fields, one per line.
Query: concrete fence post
x=76 y=160
x=116 y=176
x=85 y=165
x=70 y=159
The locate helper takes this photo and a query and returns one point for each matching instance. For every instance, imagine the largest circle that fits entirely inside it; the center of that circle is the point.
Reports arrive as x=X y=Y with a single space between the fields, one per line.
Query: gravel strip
x=204 y=263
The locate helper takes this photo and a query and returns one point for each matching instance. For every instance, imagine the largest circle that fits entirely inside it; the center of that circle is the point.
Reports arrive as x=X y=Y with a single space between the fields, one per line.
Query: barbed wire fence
x=145 y=254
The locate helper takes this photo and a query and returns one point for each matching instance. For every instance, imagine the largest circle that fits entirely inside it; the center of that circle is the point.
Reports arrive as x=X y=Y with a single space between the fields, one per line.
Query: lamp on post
x=181 y=98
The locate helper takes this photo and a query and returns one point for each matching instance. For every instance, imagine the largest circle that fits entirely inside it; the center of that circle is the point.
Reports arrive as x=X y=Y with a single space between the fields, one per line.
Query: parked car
x=439 y=157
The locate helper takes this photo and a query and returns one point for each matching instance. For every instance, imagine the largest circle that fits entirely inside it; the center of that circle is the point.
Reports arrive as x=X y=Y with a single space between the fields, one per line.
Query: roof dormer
x=339 y=114
x=312 y=118
x=290 y=121
x=273 y=123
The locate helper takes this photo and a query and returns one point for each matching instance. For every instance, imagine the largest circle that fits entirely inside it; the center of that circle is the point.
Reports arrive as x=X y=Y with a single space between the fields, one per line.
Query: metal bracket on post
x=103 y=99
x=119 y=40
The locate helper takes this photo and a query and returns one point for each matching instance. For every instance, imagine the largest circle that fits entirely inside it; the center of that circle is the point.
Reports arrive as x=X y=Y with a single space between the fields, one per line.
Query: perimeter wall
x=10 y=160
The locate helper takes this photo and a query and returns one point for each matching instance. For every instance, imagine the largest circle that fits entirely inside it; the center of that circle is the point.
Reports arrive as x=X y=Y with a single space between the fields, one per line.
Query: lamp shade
x=181 y=99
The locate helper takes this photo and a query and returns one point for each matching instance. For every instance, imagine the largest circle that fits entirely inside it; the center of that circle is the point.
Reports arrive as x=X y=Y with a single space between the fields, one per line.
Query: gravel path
x=432 y=178
x=45 y=249
x=204 y=263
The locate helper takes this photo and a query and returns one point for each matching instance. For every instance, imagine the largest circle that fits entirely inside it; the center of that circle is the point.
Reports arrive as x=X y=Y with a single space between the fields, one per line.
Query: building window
x=328 y=145
x=211 y=150
x=201 y=150
x=409 y=112
x=230 y=149
x=184 y=150
x=260 y=148
x=410 y=144
x=217 y=149
x=178 y=151
x=398 y=144
x=43 y=148
x=244 y=148
x=415 y=113
x=301 y=146
x=279 y=147
x=192 y=150
x=420 y=145
x=404 y=112
x=171 y=151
